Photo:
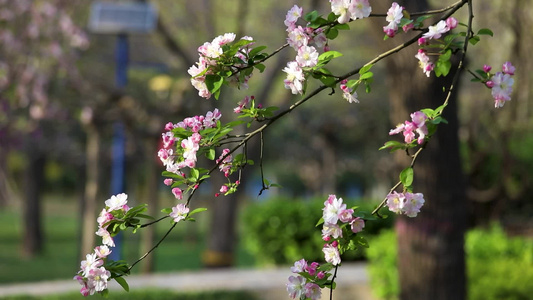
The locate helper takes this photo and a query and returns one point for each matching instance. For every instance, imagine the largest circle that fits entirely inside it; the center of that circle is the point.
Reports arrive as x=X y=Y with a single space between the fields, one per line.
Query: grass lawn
x=182 y=250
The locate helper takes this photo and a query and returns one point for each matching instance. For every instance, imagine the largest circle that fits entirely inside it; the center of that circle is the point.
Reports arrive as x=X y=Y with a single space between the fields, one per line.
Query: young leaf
x=485 y=31
x=406 y=176
x=365 y=69
x=200 y=209
x=123 y=283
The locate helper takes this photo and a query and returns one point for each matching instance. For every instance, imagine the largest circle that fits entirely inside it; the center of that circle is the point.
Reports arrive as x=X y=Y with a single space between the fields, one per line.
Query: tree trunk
x=431 y=257
x=34 y=177
x=88 y=209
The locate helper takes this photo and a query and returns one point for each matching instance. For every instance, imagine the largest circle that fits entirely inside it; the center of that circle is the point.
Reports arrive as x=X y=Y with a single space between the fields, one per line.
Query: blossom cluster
x=501 y=83
x=405 y=203
x=410 y=128
x=93 y=276
x=179 y=153
x=348 y=10
x=434 y=32
x=394 y=17
x=334 y=211
x=212 y=59
x=116 y=206
x=348 y=93
x=302 y=40
x=299 y=286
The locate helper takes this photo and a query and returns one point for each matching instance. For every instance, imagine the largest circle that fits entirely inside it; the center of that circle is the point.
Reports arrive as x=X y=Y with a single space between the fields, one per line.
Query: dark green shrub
x=498 y=267
x=281 y=231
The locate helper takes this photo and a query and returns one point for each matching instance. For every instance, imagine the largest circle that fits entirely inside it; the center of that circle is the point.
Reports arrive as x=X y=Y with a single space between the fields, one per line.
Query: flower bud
x=489 y=83
x=451 y=22
x=487 y=68
x=422 y=41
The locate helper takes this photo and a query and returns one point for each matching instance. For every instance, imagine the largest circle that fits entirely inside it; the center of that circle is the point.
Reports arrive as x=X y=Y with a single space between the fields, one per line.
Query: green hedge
x=498 y=267
x=282 y=230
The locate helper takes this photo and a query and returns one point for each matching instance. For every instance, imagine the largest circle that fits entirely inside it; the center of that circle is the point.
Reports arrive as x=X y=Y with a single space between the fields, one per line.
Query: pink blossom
x=178 y=193
x=332 y=210
x=311 y=268
x=97 y=278
x=295 y=77
x=408 y=27
x=395 y=202
x=321 y=275
x=102 y=251
x=312 y=291
x=104 y=217
x=394 y=17
x=422 y=41
x=489 y=84
x=359 y=9
x=340 y=8
x=331 y=230
x=292 y=16
x=347 y=93
x=346 y=215
x=436 y=31
x=116 y=202
x=502 y=89
x=307 y=56
x=487 y=68
x=179 y=212
x=224 y=189
x=299 y=266
x=357 y=225
x=295 y=287
x=297 y=38
x=508 y=68
x=413 y=203
x=242 y=104
x=424 y=63
x=451 y=23
x=168 y=181
x=331 y=254
x=91 y=262
x=106 y=237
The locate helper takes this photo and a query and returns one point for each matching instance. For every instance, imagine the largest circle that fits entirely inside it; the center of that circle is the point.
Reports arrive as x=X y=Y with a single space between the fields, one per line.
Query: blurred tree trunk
x=88 y=207
x=431 y=257
x=151 y=188
x=34 y=179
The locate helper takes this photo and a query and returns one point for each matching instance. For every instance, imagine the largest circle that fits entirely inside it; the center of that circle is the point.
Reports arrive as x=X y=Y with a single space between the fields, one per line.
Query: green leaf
x=256 y=51
x=366 y=75
x=321 y=221
x=428 y=112
x=213 y=82
x=310 y=17
x=123 y=283
x=485 y=31
x=342 y=26
x=406 y=176
x=394 y=145
x=329 y=55
x=166 y=210
x=328 y=81
x=195 y=174
x=474 y=40
x=332 y=33
x=210 y=154
x=260 y=67
x=365 y=69
x=200 y=209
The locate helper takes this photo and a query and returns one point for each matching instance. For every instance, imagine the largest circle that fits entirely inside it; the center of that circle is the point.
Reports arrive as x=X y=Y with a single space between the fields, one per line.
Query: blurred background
x=67 y=120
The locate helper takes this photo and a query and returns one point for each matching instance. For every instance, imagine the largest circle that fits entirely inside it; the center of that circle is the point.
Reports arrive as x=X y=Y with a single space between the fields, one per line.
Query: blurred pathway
x=352 y=283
